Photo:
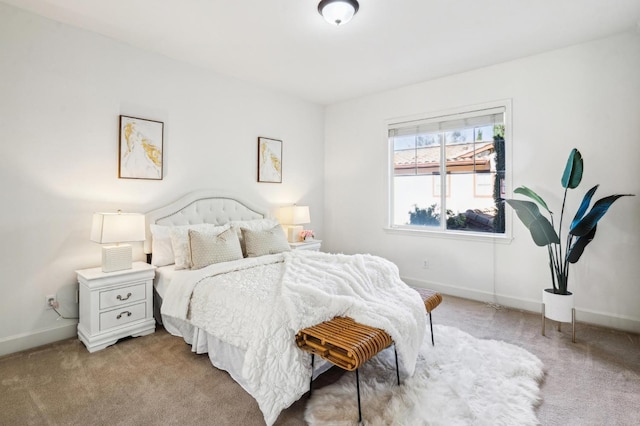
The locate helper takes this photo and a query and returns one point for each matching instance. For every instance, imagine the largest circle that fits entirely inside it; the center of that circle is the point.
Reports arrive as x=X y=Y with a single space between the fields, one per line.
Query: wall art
x=140 y=148
x=269 y=160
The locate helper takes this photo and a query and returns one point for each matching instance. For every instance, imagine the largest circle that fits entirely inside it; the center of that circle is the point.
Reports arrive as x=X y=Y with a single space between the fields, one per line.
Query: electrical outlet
x=51 y=301
x=425 y=264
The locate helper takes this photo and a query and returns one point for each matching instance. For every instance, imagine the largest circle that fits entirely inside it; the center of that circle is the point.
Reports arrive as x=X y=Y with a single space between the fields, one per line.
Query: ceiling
x=285 y=45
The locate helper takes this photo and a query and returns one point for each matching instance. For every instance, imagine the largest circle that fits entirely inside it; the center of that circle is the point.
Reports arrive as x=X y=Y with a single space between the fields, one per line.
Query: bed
x=244 y=310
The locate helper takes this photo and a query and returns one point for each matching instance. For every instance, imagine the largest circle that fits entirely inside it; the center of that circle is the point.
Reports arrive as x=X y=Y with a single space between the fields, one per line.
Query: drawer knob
x=119 y=297
x=127 y=313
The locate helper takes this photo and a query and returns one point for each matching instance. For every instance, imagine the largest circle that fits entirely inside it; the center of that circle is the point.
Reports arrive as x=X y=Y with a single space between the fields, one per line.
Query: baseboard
x=603 y=319
x=616 y=322
x=21 y=342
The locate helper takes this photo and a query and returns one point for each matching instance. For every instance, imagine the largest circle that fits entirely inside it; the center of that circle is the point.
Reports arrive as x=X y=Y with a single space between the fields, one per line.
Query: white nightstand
x=307 y=245
x=114 y=305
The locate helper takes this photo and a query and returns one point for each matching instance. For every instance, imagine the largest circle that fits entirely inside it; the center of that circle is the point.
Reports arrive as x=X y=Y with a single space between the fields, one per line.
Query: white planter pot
x=558 y=307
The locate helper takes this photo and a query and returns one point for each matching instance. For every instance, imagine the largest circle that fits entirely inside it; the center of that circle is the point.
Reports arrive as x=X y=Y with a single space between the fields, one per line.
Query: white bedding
x=163 y=279
x=258 y=304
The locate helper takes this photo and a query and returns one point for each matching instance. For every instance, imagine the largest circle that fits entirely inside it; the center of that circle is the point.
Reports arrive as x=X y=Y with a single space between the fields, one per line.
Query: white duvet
x=259 y=304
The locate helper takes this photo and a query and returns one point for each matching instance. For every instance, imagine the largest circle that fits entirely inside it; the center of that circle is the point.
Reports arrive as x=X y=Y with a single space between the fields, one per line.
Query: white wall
x=61 y=92
x=585 y=96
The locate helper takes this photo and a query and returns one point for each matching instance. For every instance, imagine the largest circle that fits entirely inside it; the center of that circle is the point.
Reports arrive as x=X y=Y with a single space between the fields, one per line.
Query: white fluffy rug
x=459 y=381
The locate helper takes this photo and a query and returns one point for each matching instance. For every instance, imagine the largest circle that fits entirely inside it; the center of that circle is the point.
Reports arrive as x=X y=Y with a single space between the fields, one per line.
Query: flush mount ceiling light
x=338 y=12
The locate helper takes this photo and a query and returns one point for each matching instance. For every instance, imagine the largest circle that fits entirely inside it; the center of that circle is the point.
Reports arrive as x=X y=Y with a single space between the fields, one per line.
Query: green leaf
x=541 y=230
x=598 y=210
x=526 y=210
x=523 y=190
x=584 y=206
x=577 y=248
x=573 y=170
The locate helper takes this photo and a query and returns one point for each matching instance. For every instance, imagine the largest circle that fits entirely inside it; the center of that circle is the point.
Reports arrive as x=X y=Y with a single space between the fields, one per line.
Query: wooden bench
x=348 y=344
x=345 y=343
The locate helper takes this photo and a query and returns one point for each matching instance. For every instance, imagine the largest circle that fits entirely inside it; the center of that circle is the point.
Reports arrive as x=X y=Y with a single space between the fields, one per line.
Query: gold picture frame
x=269 y=160
x=140 y=154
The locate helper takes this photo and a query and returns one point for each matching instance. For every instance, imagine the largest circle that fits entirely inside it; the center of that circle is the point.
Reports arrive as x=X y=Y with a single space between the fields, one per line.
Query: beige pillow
x=207 y=249
x=270 y=241
x=180 y=241
x=252 y=225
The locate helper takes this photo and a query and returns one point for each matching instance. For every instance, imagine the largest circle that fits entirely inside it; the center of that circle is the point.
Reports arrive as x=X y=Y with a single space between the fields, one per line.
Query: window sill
x=452 y=235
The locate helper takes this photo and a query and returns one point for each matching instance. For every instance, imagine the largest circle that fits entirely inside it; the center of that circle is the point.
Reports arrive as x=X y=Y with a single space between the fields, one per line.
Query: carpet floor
x=156 y=380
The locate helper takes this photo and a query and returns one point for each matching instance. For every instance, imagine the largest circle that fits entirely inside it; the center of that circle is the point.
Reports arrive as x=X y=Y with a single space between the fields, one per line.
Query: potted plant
x=581 y=232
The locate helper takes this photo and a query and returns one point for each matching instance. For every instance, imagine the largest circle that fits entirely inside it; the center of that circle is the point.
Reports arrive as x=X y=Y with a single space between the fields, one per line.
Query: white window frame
x=442 y=232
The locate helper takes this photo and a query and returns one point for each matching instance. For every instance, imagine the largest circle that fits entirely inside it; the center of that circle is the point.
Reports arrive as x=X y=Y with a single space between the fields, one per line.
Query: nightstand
x=306 y=245
x=114 y=305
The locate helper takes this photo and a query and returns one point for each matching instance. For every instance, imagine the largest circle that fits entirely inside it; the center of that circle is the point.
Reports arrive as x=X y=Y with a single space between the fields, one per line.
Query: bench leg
x=397 y=370
x=311 y=379
x=358 y=387
x=431 y=326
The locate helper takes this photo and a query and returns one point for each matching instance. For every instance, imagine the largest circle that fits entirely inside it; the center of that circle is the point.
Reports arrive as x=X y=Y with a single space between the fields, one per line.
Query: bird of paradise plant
x=581 y=231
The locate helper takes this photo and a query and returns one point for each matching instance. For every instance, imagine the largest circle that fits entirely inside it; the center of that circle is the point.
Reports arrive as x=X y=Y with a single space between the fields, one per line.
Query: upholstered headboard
x=202 y=207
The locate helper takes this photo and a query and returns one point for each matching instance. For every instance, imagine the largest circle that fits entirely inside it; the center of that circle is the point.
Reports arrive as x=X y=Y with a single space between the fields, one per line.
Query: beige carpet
x=156 y=380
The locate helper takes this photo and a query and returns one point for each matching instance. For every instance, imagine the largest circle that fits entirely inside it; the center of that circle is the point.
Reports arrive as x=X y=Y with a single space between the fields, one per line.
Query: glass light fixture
x=338 y=12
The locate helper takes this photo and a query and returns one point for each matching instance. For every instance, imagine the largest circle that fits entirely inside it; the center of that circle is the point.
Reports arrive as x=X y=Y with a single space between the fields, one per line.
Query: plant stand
x=560 y=309
x=573 y=323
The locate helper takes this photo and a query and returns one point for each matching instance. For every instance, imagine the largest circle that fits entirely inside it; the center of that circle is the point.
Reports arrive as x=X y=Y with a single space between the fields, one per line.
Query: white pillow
x=255 y=224
x=207 y=248
x=270 y=241
x=180 y=241
x=252 y=225
x=161 y=249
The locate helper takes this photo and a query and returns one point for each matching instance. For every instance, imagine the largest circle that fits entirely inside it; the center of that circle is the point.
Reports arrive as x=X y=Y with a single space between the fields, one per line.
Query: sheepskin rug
x=459 y=381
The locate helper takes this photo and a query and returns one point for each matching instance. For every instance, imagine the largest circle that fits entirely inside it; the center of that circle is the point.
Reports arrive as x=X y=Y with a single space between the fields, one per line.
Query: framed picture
x=140 y=148
x=269 y=160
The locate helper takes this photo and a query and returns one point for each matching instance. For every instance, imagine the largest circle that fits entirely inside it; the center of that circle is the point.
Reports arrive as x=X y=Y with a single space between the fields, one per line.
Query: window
x=468 y=147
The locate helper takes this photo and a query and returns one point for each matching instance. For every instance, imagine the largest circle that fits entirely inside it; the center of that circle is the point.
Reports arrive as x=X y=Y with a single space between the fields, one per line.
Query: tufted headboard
x=204 y=206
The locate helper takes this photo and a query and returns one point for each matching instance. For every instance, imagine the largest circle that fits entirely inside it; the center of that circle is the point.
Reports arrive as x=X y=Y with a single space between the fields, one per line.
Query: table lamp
x=117 y=228
x=291 y=218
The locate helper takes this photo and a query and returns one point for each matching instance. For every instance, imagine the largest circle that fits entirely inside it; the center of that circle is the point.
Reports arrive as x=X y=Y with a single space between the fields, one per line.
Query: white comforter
x=258 y=304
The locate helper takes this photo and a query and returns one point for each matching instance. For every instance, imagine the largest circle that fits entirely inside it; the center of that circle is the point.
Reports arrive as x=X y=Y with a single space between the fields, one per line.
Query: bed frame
x=204 y=206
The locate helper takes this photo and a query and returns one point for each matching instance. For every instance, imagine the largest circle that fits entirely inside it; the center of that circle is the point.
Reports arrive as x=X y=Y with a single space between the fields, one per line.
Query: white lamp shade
x=117 y=227
x=294 y=215
x=337 y=12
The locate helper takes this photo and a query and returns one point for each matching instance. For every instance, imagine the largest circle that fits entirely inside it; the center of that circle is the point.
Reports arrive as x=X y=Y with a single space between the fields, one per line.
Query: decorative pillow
x=270 y=241
x=252 y=225
x=180 y=241
x=161 y=249
x=207 y=248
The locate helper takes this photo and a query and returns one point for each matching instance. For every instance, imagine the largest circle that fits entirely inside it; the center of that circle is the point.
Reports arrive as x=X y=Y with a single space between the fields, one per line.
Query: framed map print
x=140 y=148
x=269 y=160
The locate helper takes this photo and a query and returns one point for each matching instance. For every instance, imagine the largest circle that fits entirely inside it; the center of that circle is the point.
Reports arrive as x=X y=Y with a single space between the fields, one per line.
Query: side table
x=114 y=305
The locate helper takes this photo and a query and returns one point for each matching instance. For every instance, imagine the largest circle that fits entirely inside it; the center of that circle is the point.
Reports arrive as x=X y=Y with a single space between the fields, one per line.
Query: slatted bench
x=348 y=344
x=345 y=343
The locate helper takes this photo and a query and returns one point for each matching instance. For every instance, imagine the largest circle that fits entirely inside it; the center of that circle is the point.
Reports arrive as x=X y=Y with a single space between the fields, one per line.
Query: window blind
x=450 y=122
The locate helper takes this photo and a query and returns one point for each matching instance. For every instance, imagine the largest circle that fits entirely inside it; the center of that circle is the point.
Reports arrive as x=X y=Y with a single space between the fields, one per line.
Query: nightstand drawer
x=118 y=317
x=120 y=296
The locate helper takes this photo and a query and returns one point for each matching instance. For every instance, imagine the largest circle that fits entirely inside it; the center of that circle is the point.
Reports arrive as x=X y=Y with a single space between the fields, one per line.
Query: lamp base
x=116 y=258
x=293 y=233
